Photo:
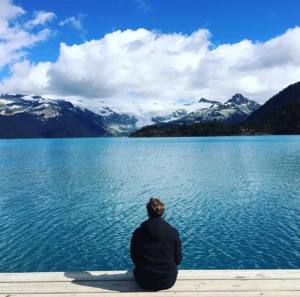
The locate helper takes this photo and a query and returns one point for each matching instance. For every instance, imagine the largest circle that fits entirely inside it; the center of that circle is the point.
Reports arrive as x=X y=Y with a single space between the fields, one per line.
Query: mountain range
x=42 y=118
x=280 y=115
x=23 y=116
x=236 y=109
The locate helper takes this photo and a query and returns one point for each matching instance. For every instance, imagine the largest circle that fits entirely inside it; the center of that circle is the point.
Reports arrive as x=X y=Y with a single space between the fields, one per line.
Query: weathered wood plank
x=66 y=276
x=131 y=286
x=127 y=275
x=171 y=294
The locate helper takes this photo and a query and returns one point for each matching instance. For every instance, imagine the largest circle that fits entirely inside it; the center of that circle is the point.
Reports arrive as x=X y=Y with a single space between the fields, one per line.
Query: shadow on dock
x=112 y=282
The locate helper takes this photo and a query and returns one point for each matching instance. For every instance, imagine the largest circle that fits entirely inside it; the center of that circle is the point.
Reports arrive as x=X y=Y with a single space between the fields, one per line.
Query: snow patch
x=143 y=112
x=27 y=98
x=5 y=101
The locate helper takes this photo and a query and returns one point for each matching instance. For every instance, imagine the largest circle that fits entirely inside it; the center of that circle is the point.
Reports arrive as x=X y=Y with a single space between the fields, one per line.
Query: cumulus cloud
x=14 y=37
x=26 y=74
x=148 y=66
x=8 y=11
x=41 y=17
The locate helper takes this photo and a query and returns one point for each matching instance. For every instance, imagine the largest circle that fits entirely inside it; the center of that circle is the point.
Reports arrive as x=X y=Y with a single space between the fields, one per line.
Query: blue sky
x=230 y=32
x=229 y=21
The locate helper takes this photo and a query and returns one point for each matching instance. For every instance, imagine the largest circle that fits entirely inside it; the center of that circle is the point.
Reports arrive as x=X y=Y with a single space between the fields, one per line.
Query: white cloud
x=142 y=4
x=8 y=11
x=13 y=37
x=74 y=22
x=26 y=74
x=148 y=66
x=41 y=17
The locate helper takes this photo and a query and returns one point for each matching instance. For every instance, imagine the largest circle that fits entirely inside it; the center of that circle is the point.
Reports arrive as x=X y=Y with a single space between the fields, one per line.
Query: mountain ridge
x=280 y=115
x=233 y=110
x=46 y=118
x=290 y=93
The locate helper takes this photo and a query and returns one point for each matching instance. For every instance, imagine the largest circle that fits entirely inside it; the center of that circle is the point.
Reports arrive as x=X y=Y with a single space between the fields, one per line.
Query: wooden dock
x=190 y=283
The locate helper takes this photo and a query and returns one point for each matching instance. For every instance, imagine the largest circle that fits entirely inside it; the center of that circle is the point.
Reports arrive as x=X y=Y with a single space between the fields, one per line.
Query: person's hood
x=154 y=227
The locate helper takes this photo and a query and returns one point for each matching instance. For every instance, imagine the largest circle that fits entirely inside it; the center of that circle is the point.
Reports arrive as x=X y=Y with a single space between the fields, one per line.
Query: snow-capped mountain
x=203 y=100
x=42 y=108
x=141 y=114
x=35 y=117
x=120 y=124
x=242 y=103
x=235 y=109
x=50 y=117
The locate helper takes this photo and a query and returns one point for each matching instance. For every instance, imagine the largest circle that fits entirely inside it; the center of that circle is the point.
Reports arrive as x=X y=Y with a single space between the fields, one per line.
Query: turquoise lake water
x=72 y=204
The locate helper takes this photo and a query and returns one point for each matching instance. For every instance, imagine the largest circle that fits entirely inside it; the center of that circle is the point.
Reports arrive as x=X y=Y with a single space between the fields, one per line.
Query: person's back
x=155 y=250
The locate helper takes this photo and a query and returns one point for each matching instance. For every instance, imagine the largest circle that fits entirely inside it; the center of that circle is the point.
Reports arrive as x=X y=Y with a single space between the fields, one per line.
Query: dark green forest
x=213 y=128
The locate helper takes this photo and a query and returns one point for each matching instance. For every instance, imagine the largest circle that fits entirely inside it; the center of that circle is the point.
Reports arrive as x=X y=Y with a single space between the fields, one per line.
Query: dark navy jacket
x=156 y=251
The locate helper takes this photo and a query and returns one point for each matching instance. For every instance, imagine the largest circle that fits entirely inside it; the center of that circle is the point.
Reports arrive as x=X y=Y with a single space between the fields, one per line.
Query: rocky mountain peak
x=238 y=99
x=244 y=104
x=203 y=100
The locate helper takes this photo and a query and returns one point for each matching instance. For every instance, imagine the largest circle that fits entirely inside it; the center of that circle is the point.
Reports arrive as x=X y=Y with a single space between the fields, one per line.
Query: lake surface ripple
x=72 y=204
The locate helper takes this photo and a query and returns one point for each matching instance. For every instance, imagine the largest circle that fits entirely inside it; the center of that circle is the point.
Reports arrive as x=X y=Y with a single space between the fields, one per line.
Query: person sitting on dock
x=155 y=250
